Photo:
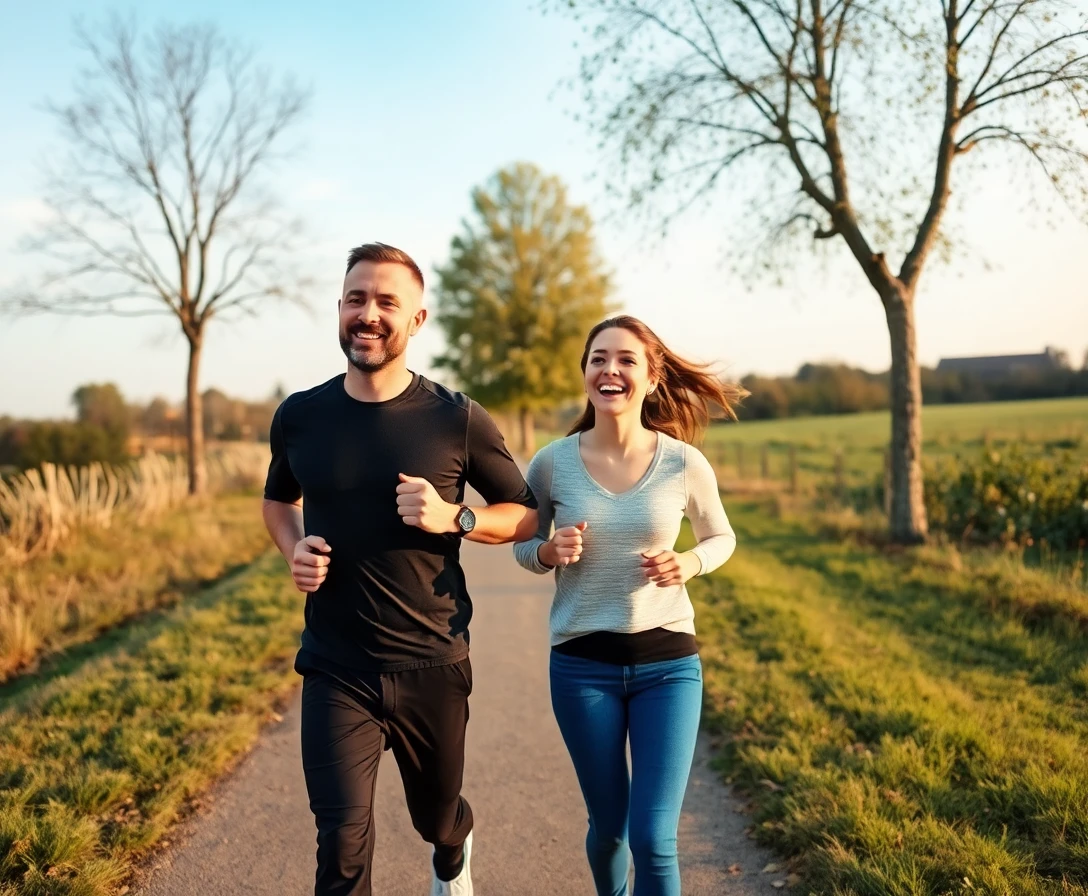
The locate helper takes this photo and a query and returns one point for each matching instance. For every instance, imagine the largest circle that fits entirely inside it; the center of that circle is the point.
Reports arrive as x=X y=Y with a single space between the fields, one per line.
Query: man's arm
x=284 y=523
x=306 y=555
x=502 y=523
x=420 y=505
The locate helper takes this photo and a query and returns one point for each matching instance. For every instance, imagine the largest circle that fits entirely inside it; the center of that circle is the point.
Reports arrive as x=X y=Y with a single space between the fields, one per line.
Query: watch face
x=466 y=520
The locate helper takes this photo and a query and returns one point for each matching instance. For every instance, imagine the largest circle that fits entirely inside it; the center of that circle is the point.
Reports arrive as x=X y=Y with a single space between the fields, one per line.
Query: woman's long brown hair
x=686 y=392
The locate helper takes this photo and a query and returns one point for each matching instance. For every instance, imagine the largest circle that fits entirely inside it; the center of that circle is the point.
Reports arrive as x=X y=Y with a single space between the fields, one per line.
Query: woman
x=624 y=661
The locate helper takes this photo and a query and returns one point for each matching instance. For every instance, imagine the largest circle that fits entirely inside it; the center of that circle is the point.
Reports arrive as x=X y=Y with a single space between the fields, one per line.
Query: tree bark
x=907 y=522
x=528 y=433
x=194 y=420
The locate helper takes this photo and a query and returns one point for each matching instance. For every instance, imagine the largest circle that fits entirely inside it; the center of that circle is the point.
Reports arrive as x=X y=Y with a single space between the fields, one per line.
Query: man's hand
x=310 y=563
x=669 y=568
x=419 y=505
x=564 y=547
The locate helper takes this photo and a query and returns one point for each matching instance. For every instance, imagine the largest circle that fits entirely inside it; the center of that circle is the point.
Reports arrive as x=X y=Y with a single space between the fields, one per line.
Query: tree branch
x=946 y=152
x=991 y=57
x=765 y=107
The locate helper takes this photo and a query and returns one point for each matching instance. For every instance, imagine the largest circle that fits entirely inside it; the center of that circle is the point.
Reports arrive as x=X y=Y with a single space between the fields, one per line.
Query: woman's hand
x=564 y=547
x=668 y=568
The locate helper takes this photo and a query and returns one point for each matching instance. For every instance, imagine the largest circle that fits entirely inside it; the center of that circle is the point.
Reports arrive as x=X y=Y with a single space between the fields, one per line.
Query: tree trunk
x=194 y=421
x=528 y=434
x=907 y=520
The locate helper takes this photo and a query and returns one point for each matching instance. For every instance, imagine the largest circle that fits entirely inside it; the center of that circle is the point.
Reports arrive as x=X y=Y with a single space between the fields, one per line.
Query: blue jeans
x=598 y=706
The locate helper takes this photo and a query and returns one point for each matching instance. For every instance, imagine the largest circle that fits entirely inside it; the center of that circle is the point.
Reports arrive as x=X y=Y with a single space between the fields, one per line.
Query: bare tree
x=841 y=120
x=158 y=207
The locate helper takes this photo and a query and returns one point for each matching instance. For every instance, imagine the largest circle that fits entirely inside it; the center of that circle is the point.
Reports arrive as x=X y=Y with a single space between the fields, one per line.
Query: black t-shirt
x=395 y=596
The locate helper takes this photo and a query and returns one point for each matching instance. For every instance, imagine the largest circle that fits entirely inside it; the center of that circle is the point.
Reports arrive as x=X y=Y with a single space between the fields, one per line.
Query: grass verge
x=97 y=762
x=905 y=722
x=108 y=576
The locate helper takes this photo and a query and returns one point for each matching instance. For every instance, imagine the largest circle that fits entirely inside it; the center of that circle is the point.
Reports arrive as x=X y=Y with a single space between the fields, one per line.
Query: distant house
x=997 y=366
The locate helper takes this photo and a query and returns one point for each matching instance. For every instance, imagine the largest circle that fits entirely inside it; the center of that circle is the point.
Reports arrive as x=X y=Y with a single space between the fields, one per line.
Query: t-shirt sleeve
x=491 y=470
x=716 y=537
x=280 y=484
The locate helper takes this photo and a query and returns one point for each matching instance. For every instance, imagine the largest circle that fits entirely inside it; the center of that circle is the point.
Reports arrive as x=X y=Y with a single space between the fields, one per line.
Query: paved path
x=257 y=836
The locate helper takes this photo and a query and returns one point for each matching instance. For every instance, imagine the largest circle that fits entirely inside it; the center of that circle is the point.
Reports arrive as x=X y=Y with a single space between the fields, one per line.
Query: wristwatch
x=465 y=519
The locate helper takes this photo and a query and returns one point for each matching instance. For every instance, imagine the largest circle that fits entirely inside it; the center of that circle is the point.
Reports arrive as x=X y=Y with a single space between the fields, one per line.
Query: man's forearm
x=503 y=523
x=284 y=524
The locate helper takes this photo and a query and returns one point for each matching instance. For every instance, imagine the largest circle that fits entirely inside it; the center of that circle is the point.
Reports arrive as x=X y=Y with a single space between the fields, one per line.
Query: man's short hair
x=380 y=253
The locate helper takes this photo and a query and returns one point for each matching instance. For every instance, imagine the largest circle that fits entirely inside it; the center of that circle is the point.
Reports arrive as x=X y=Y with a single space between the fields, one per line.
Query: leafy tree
x=105 y=424
x=522 y=287
x=103 y=405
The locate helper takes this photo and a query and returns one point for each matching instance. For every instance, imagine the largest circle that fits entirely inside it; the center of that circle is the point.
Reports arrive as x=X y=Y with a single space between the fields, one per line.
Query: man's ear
x=417 y=321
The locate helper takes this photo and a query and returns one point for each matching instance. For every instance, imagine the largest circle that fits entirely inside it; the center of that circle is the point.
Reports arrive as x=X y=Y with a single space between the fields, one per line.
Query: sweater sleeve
x=716 y=538
x=539 y=477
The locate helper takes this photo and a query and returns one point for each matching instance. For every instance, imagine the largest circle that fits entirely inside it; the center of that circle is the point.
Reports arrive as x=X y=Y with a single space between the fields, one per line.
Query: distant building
x=1005 y=365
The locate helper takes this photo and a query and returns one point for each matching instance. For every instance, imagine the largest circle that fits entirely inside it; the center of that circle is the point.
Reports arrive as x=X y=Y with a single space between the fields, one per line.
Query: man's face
x=381 y=307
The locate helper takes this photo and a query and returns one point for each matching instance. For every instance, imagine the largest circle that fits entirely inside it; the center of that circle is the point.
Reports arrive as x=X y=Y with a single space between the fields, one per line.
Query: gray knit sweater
x=606 y=590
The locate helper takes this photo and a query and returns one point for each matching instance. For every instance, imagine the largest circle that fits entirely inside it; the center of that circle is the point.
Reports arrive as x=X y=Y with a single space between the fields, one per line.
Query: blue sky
x=414 y=104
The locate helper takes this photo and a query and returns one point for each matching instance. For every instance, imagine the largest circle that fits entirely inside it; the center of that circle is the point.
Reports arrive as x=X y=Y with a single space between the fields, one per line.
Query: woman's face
x=617 y=374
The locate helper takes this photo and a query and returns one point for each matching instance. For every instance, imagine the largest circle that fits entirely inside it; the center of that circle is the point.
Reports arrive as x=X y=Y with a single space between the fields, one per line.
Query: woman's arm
x=716 y=538
x=539 y=477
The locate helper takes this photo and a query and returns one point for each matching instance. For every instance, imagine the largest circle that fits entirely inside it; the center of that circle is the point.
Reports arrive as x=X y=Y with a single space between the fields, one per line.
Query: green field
x=1053 y=425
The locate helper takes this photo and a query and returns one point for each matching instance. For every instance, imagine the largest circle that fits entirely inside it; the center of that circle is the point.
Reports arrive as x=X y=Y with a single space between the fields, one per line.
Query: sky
x=415 y=103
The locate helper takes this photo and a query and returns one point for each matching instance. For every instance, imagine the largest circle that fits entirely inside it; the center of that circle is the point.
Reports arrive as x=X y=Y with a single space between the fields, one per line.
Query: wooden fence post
x=740 y=460
x=764 y=462
x=793 y=469
x=840 y=476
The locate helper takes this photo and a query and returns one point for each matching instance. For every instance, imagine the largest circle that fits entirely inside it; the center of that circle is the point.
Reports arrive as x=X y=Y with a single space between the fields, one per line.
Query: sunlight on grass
x=97 y=763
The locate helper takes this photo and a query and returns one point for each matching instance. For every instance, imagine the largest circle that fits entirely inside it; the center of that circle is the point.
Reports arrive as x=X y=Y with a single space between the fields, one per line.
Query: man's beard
x=374 y=359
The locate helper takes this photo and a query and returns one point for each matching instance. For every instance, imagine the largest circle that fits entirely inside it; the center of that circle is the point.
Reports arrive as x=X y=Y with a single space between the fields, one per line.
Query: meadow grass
x=904 y=722
x=100 y=757
x=106 y=576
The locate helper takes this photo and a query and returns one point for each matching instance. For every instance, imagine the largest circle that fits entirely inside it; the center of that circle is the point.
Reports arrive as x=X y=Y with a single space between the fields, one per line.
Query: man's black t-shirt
x=395 y=596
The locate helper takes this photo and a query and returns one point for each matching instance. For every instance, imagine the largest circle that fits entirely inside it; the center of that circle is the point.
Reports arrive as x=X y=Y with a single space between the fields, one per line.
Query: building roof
x=1000 y=364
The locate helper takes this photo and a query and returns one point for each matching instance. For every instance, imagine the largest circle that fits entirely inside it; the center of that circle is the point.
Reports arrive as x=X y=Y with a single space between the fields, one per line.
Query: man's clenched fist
x=419 y=505
x=310 y=563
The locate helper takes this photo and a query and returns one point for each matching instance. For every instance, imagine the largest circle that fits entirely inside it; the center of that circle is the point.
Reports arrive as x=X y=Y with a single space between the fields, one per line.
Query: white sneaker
x=460 y=885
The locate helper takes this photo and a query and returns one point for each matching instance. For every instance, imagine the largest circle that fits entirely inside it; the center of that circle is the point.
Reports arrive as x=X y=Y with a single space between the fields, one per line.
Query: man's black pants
x=347 y=721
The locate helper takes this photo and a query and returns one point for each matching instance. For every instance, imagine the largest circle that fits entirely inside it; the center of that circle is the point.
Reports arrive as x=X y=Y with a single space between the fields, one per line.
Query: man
x=364 y=499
